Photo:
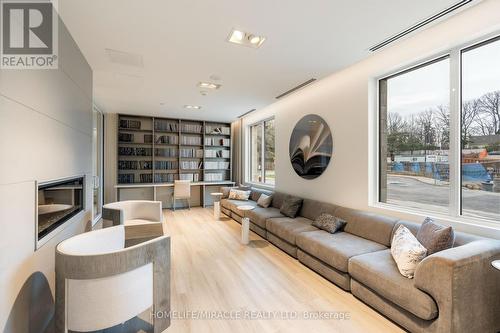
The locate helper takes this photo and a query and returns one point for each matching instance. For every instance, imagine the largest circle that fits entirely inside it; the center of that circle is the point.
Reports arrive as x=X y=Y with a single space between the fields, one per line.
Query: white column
x=217 y=210
x=245 y=226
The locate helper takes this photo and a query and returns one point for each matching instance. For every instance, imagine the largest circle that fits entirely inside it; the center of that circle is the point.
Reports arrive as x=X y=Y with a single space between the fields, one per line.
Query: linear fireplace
x=58 y=201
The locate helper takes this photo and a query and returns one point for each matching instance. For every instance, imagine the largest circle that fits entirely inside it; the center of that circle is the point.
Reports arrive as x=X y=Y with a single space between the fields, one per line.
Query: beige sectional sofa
x=455 y=290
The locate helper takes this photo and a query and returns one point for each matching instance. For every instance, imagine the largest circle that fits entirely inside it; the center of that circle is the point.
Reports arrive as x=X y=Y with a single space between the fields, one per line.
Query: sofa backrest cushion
x=461 y=238
x=291 y=206
x=278 y=198
x=311 y=209
x=372 y=226
x=256 y=192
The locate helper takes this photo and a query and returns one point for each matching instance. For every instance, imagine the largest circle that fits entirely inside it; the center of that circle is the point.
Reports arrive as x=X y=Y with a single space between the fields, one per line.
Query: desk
x=154 y=187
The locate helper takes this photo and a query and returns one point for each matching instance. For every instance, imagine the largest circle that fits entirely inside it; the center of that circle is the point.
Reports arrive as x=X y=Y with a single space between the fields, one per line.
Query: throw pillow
x=407 y=251
x=225 y=191
x=291 y=206
x=329 y=223
x=435 y=237
x=238 y=195
x=264 y=200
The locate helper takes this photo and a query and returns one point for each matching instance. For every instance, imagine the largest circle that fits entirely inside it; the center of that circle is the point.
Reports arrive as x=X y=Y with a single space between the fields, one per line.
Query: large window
x=262 y=152
x=419 y=121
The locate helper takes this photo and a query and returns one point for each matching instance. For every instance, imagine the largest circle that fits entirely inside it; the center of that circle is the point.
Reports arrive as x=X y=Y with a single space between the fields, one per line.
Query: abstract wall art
x=311 y=146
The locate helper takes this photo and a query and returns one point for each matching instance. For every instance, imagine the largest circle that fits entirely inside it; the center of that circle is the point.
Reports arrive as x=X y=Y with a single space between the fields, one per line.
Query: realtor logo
x=29 y=35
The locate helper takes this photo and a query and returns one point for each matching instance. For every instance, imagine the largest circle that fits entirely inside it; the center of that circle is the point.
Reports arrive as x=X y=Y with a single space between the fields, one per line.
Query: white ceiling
x=183 y=42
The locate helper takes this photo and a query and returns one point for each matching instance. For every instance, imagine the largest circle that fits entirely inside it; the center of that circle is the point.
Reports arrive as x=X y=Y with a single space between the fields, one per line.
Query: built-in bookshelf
x=155 y=150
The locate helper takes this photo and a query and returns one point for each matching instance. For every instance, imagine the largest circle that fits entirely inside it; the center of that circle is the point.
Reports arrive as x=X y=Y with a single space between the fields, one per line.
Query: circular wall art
x=311 y=146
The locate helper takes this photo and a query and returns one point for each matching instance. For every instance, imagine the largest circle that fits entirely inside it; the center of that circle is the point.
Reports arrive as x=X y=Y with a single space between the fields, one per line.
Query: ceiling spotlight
x=245 y=38
x=192 y=107
x=208 y=85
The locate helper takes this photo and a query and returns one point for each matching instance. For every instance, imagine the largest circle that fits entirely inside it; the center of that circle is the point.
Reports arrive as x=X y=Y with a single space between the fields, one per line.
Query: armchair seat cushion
x=335 y=249
x=287 y=228
x=378 y=272
x=259 y=215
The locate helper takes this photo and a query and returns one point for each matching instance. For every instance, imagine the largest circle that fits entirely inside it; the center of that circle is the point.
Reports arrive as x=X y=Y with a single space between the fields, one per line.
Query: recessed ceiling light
x=208 y=85
x=192 y=107
x=245 y=38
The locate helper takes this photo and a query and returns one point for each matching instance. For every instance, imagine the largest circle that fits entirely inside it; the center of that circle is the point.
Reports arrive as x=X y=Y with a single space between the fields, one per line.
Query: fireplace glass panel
x=57 y=203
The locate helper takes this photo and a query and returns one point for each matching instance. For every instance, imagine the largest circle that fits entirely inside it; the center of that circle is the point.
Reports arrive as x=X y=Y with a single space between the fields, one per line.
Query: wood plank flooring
x=213 y=272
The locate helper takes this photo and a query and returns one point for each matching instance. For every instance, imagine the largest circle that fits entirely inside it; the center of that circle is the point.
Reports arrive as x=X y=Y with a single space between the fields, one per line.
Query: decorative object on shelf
x=311 y=146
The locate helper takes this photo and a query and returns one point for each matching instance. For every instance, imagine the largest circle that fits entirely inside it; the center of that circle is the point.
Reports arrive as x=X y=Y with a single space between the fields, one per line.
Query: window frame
x=455 y=196
x=248 y=164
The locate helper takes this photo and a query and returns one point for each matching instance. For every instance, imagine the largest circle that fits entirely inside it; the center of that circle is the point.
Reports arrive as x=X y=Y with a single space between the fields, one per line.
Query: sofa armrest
x=464 y=285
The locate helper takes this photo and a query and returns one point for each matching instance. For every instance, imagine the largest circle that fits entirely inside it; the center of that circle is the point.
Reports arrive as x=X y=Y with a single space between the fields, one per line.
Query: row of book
x=191 y=152
x=217 y=142
x=221 y=165
x=130 y=138
x=166 y=125
x=131 y=124
x=165 y=177
x=135 y=165
x=129 y=178
x=191 y=165
x=192 y=128
x=217 y=153
x=166 y=152
x=214 y=177
x=213 y=129
x=166 y=165
x=191 y=140
x=194 y=177
x=167 y=139
x=134 y=151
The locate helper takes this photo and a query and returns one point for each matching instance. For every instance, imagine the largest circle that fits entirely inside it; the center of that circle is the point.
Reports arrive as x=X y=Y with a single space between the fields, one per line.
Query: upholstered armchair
x=132 y=212
x=102 y=280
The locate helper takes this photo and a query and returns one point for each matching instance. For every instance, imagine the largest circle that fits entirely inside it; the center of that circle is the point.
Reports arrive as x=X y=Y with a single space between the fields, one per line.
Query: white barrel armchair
x=132 y=212
x=100 y=282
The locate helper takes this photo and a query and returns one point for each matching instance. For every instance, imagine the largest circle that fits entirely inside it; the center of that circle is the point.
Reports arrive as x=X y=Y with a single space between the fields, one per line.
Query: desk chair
x=182 y=190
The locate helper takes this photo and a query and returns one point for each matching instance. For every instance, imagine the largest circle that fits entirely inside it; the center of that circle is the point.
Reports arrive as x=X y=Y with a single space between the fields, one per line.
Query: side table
x=217 y=196
x=245 y=224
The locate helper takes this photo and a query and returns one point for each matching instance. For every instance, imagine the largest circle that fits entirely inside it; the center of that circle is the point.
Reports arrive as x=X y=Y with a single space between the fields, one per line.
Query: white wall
x=45 y=134
x=346 y=101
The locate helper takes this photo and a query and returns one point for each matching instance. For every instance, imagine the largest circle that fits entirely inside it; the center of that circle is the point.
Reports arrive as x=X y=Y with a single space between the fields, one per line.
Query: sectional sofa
x=455 y=290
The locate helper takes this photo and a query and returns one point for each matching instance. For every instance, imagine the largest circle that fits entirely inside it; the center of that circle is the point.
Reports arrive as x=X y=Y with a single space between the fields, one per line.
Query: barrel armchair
x=102 y=280
x=132 y=212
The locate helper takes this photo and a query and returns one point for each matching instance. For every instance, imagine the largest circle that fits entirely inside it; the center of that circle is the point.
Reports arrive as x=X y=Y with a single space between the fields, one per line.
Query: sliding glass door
x=97 y=163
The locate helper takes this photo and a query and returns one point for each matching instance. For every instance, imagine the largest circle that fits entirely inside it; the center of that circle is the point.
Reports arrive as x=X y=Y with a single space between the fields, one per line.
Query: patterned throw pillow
x=435 y=237
x=264 y=200
x=291 y=206
x=238 y=195
x=329 y=223
x=407 y=251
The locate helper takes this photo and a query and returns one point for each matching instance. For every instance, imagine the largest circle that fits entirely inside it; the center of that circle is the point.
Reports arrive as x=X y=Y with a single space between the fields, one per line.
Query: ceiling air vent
x=295 y=88
x=419 y=25
x=246 y=113
x=124 y=58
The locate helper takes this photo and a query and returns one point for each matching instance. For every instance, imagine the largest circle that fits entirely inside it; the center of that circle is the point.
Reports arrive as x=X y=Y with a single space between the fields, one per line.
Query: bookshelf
x=153 y=150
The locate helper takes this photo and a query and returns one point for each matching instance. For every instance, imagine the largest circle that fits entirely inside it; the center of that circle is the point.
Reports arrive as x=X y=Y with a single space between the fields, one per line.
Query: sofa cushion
x=239 y=195
x=259 y=215
x=256 y=192
x=291 y=206
x=278 y=198
x=372 y=226
x=407 y=251
x=378 y=272
x=264 y=200
x=335 y=249
x=287 y=228
x=329 y=223
x=435 y=237
x=311 y=209
x=225 y=191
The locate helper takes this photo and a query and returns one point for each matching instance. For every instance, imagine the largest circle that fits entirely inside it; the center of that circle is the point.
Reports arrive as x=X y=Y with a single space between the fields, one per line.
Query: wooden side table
x=245 y=224
x=217 y=196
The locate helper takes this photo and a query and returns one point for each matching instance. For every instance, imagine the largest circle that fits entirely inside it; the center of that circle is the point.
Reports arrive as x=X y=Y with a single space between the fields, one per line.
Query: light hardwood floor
x=212 y=271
